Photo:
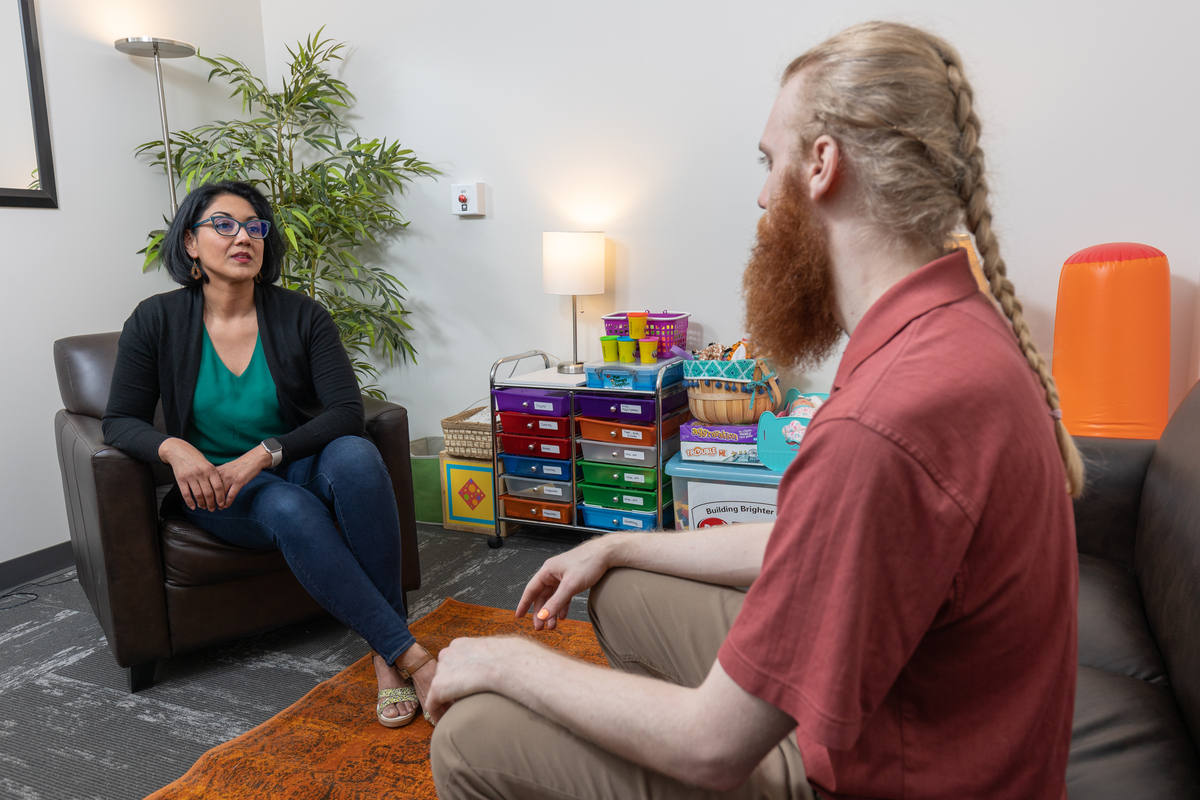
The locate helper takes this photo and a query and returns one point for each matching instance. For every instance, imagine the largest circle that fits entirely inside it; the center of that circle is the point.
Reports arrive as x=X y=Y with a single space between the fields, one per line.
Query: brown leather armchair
x=161 y=587
x=1137 y=701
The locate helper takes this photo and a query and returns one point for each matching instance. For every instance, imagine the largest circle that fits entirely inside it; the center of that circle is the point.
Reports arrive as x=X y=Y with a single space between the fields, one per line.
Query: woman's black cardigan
x=159 y=356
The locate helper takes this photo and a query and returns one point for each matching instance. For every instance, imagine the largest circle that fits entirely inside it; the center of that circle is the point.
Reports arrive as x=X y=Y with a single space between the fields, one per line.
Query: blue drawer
x=552 y=468
x=613 y=520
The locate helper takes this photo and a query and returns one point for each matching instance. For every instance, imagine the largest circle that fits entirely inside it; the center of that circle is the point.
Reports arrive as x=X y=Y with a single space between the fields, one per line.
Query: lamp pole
x=151 y=47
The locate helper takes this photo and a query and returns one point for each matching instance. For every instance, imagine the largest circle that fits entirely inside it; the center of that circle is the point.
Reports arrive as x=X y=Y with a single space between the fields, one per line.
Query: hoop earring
x=258 y=277
x=197 y=273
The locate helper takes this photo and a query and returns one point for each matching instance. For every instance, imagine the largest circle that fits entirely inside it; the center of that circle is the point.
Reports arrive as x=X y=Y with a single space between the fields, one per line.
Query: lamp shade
x=573 y=263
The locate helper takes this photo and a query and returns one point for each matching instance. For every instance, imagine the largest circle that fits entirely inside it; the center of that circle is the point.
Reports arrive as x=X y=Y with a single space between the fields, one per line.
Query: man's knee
x=467 y=741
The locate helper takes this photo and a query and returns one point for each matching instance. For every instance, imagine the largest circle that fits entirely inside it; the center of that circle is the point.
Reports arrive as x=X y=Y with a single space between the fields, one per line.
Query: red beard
x=788 y=284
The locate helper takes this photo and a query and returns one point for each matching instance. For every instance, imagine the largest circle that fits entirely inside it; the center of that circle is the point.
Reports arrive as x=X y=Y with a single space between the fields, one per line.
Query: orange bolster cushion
x=1112 y=341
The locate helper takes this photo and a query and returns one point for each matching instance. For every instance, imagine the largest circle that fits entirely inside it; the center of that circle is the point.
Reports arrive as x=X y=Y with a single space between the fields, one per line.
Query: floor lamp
x=573 y=263
x=150 y=47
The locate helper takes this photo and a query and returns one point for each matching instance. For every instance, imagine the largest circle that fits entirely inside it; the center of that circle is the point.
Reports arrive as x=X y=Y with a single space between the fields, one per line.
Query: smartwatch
x=273 y=447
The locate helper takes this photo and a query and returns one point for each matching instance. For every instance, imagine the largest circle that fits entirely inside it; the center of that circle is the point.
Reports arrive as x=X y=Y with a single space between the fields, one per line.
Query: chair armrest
x=113 y=517
x=1106 y=515
x=387 y=425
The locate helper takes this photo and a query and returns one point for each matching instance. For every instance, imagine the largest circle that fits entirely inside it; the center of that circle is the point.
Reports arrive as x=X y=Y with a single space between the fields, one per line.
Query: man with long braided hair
x=910 y=626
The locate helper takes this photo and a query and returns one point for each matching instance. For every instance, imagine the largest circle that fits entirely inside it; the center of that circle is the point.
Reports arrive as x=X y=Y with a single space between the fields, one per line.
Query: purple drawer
x=640 y=409
x=543 y=402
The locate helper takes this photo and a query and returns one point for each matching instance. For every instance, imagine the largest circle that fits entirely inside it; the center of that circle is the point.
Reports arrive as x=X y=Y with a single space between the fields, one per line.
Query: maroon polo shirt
x=916 y=610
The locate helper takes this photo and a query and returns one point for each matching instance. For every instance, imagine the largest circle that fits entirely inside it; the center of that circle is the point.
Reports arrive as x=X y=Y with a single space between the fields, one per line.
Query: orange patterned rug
x=328 y=743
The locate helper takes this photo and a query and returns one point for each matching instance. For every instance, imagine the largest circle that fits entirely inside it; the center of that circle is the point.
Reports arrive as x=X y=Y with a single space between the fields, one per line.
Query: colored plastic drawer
x=532 y=401
x=619 y=475
x=538 y=510
x=607 y=430
x=536 y=467
x=537 y=446
x=538 y=488
x=530 y=425
x=623 y=499
x=609 y=520
x=629 y=454
x=628 y=409
x=641 y=377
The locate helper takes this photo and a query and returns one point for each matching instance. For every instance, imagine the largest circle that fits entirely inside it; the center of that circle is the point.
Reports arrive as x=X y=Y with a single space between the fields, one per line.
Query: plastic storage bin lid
x=626 y=366
x=676 y=467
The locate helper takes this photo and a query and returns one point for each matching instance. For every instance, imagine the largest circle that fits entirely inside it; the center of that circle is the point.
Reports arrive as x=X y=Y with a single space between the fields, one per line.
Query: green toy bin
x=619 y=475
x=621 y=498
x=427 y=483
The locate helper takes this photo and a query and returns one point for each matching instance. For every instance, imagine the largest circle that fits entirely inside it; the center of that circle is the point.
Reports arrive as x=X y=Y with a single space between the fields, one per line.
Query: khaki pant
x=487 y=746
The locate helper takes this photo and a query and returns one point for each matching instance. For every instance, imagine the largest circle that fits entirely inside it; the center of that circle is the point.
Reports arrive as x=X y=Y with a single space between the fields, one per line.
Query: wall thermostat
x=468 y=199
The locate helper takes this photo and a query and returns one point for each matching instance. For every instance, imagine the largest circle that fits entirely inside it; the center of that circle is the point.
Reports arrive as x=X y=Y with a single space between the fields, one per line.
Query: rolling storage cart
x=586 y=452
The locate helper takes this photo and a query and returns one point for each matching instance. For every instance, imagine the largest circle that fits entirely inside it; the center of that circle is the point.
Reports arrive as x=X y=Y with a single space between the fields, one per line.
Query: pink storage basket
x=670 y=327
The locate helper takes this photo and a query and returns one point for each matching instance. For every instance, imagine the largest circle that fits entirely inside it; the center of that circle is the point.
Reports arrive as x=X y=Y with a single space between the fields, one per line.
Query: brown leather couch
x=163 y=587
x=1137 y=702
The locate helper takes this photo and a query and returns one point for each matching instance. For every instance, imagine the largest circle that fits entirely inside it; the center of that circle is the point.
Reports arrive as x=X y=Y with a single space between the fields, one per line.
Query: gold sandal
x=387 y=697
x=407 y=673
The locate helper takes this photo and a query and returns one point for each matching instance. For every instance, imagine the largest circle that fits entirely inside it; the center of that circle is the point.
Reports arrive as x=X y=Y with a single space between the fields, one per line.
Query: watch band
x=274 y=449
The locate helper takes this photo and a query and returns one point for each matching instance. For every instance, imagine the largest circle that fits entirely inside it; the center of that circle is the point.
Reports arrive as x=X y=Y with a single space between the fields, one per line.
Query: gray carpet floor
x=70 y=729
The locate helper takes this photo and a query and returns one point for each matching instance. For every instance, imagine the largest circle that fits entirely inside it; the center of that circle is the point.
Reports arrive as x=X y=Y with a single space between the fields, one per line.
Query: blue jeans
x=355 y=573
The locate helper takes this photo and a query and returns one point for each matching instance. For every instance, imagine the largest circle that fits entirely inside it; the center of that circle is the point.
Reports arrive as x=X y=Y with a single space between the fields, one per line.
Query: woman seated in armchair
x=264 y=426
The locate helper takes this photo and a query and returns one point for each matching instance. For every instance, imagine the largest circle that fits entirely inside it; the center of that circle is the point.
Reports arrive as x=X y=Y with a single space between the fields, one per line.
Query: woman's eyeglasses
x=228 y=226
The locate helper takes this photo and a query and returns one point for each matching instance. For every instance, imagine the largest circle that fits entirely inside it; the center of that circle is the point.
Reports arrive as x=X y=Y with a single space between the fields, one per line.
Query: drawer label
x=634 y=477
x=630 y=500
x=548 y=514
x=550 y=448
x=630 y=408
x=628 y=434
x=547 y=426
x=549 y=470
x=554 y=490
x=630 y=522
x=539 y=405
x=635 y=455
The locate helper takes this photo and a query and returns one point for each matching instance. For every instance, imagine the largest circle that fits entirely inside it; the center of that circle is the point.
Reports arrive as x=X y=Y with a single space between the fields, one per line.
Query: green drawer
x=622 y=498
x=619 y=475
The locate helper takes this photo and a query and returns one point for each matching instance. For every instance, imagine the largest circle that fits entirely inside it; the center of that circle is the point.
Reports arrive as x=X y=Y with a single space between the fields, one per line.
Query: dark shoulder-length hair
x=174 y=254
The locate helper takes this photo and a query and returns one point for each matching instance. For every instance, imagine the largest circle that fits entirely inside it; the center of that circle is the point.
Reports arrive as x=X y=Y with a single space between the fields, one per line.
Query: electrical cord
x=30 y=597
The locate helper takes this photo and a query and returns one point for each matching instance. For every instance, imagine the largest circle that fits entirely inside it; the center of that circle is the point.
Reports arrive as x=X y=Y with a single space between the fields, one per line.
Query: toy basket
x=467 y=439
x=670 y=327
x=731 y=392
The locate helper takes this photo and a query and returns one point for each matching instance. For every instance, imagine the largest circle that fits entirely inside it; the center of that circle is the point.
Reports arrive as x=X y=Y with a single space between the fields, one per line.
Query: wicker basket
x=468 y=439
x=732 y=393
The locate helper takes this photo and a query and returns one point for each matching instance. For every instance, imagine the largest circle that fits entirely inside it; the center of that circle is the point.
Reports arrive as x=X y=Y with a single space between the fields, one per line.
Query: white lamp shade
x=573 y=263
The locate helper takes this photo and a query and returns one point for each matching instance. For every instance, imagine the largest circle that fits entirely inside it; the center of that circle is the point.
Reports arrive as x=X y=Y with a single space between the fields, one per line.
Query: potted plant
x=331 y=191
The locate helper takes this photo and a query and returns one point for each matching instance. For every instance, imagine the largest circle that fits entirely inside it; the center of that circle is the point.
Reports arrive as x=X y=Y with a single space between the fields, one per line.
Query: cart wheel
x=496 y=541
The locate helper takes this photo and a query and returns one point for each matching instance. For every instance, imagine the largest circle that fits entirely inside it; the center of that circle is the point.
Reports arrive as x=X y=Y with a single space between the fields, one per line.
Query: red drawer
x=537 y=446
x=530 y=425
x=554 y=513
x=611 y=430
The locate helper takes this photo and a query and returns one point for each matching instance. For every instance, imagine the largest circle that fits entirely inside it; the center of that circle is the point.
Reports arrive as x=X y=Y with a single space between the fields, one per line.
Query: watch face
x=272 y=445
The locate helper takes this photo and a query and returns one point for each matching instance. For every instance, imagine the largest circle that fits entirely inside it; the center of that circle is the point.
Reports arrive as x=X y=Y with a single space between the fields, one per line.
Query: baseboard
x=35 y=566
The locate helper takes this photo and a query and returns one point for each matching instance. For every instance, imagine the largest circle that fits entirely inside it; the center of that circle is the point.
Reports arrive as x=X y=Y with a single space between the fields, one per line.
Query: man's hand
x=470 y=666
x=548 y=594
x=199 y=482
x=237 y=473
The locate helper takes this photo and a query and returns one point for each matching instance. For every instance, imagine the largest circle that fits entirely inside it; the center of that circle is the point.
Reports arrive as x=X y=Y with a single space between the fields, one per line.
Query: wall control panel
x=468 y=199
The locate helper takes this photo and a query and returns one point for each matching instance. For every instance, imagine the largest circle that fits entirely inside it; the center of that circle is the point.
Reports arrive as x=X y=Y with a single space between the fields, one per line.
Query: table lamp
x=151 y=47
x=573 y=263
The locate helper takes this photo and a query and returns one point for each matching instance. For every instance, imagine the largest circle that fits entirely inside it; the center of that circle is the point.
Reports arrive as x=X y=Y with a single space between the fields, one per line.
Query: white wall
x=75 y=269
x=642 y=120
x=639 y=119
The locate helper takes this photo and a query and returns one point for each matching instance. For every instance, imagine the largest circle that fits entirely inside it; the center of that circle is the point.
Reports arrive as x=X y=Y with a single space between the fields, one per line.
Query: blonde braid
x=973 y=190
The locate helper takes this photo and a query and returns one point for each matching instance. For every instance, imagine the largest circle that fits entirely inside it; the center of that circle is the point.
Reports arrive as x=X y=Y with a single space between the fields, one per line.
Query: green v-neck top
x=233 y=413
